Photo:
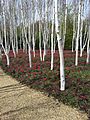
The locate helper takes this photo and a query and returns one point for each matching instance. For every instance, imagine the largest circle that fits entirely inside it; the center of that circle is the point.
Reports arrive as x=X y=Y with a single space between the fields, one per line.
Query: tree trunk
x=60 y=47
x=88 y=46
x=52 y=36
x=78 y=32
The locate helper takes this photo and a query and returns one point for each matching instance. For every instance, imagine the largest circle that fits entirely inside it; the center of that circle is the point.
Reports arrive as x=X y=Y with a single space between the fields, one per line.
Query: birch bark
x=52 y=36
x=60 y=48
x=88 y=47
x=78 y=32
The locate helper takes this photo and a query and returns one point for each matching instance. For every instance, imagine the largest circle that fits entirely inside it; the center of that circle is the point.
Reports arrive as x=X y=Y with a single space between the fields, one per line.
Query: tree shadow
x=14 y=111
x=11 y=88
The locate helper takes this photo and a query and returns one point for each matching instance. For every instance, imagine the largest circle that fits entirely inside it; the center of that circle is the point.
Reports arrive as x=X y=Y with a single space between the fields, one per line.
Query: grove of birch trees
x=22 y=20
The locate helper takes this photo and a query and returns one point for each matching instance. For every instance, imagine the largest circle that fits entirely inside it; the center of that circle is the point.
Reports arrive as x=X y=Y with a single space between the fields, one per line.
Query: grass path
x=18 y=102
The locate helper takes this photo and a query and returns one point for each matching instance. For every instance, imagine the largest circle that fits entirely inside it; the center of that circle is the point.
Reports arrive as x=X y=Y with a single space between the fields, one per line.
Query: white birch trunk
x=45 y=27
x=29 y=45
x=11 y=39
x=29 y=51
x=85 y=44
x=85 y=39
x=7 y=57
x=85 y=33
x=40 y=41
x=54 y=43
x=88 y=47
x=44 y=52
x=78 y=32
x=52 y=49
x=16 y=40
x=65 y=23
x=74 y=32
x=23 y=40
x=81 y=31
x=33 y=41
x=60 y=47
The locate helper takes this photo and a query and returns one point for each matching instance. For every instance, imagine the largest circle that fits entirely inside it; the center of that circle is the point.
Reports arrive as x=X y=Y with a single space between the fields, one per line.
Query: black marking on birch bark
x=61 y=41
x=0 y=46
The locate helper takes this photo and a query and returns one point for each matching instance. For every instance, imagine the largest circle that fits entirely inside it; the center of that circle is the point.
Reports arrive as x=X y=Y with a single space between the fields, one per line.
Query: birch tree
x=88 y=43
x=65 y=24
x=52 y=36
x=60 y=48
x=78 y=32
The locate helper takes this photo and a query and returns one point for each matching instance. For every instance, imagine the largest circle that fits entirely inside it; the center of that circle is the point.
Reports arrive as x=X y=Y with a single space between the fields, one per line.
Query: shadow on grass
x=11 y=88
x=14 y=111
